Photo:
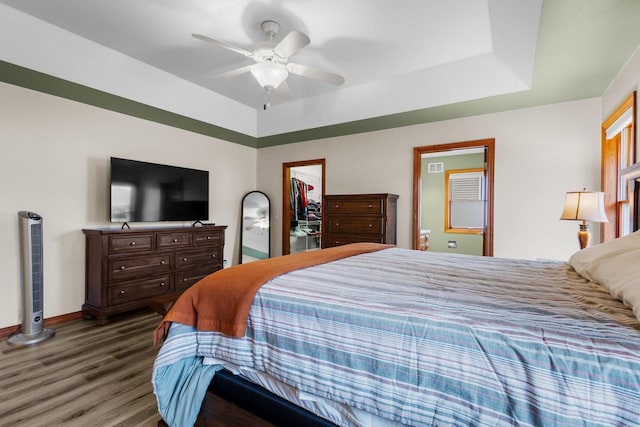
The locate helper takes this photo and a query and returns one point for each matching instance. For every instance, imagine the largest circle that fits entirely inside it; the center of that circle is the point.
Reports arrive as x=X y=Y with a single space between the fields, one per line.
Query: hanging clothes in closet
x=298 y=199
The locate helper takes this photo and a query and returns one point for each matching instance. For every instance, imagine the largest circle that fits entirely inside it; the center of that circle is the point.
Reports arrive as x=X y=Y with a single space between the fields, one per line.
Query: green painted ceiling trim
x=30 y=79
x=35 y=80
x=476 y=107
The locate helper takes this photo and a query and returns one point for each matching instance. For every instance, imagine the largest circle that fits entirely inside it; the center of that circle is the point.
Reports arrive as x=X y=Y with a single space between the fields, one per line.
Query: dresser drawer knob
x=122 y=267
x=208 y=237
x=122 y=292
x=185 y=279
x=370 y=225
x=163 y=262
x=162 y=284
x=175 y=240
x=337 y=224
x=185 y=259
x=337 y=206
x=132 y=243
x=213 y=255
x=370 y=206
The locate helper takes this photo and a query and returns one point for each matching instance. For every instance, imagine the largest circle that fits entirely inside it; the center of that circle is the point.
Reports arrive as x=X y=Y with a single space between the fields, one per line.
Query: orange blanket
x=222 y=300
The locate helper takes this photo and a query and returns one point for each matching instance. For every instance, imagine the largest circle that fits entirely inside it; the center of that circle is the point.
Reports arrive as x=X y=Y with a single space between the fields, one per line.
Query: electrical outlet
x=453 y=244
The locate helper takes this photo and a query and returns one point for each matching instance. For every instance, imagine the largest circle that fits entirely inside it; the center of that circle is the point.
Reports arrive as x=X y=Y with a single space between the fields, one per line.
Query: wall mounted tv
x=145 y=192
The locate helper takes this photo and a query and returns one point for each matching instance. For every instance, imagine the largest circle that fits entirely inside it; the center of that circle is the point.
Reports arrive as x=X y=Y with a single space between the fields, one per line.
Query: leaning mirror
x=255 y=241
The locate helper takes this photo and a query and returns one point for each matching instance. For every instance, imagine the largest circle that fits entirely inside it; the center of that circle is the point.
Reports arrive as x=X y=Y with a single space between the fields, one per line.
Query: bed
x=390 y=336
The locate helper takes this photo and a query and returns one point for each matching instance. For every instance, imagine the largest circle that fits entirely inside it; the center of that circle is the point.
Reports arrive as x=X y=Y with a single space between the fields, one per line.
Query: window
x=617 y=154
x=624 y=160
x=465 y=204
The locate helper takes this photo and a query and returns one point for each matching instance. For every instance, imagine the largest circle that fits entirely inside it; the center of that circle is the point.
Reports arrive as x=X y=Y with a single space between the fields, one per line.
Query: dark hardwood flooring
x=90 y=375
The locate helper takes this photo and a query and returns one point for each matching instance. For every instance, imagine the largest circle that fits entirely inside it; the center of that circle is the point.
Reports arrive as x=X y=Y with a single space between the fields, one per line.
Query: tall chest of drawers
x=124 y=268
x=353 y=218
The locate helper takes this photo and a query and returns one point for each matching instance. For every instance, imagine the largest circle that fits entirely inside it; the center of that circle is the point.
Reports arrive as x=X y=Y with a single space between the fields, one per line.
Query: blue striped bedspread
x=429 y=339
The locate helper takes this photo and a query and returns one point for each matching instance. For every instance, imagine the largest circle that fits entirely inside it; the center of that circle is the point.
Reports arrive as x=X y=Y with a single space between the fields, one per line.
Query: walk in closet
x=305 y=210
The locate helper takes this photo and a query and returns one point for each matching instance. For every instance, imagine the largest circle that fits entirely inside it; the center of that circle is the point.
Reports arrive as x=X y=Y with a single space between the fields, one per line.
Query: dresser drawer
x=139 y=289
x=185 y=279
x=355 y=225
x=210 y=237
x=344 y=239
x=131 y=243
x=123 y=268
x=353 y=218
x=200 y=258
x=358 y=206
x=173 y=240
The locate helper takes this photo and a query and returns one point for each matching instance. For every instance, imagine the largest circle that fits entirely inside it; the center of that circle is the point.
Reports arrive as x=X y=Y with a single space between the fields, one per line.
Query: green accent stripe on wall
x=30 y=79
x=494 y=104
x=35 y=80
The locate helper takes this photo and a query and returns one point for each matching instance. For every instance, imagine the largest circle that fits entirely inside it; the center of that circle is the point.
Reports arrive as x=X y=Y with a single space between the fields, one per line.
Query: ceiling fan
x=272 y=66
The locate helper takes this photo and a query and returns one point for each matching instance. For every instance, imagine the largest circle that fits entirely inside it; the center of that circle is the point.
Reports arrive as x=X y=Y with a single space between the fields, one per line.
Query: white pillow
x=621 y=275
x=585 y=260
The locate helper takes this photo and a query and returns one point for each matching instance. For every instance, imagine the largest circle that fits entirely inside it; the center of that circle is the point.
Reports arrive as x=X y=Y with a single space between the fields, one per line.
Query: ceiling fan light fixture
x=272 y=66
x=269 y=75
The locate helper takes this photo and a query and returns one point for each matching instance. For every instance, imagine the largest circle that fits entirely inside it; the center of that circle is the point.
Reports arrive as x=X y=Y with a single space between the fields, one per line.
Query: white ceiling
x=395 y=56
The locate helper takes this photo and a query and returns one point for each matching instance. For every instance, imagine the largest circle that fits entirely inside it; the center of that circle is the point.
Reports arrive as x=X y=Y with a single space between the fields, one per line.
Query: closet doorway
x=302 y=192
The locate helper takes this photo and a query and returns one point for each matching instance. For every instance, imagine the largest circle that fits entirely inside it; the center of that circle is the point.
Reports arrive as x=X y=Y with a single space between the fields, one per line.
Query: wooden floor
x=90 y=376
x=86 y=375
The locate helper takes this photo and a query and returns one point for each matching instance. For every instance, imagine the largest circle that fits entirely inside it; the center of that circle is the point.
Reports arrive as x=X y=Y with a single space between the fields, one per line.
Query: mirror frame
x=242 y=222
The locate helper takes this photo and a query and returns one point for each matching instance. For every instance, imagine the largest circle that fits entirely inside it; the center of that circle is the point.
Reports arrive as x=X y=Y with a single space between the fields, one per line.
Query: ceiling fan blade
x=291 y=43
x=232 y=73
x=225 y=45
x=315 y=73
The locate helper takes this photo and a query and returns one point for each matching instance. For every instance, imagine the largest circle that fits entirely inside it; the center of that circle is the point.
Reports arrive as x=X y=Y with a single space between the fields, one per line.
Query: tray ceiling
x=424 y=54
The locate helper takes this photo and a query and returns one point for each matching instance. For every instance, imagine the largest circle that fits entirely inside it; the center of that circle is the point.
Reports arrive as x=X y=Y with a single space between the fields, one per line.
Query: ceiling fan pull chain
x=267 y=102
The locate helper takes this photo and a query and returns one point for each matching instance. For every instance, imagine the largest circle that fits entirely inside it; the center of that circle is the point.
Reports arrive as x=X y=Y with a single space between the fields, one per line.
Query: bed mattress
x=420 y=338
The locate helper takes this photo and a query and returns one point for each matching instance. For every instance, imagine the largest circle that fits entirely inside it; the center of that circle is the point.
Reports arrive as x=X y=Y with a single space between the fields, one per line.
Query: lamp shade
x=269 y=74
x=584 y=206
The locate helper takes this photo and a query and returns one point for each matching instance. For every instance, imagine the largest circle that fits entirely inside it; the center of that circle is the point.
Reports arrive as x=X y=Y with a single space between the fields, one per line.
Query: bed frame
x=249 y=404
x=280 y=412
x=262 y=403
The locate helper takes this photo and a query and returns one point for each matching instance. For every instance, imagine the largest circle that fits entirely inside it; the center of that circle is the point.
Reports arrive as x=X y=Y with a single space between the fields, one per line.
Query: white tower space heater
x=31 y=255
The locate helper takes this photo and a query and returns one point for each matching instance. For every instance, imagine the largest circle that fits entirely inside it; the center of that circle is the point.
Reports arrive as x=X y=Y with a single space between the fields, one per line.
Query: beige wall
x=541 y=153
x=627 y=81
x=55 y=161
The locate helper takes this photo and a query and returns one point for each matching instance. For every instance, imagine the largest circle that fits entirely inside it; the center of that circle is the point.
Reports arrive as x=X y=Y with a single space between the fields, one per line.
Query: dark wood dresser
x=353 y=218
x=125 y=268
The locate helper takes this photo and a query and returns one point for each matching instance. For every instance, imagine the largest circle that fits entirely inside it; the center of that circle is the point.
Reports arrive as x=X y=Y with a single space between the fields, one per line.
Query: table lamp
x=584 y=206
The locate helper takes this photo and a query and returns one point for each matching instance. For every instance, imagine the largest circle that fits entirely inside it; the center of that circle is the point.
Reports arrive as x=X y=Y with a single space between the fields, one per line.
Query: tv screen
x=143 y=192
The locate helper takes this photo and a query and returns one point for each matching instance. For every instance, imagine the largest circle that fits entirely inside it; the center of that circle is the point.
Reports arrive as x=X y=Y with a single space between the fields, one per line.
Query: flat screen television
x=150 y=192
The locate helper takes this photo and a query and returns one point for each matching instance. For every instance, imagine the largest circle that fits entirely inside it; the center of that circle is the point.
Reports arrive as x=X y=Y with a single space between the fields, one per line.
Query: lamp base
x=584 y=236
